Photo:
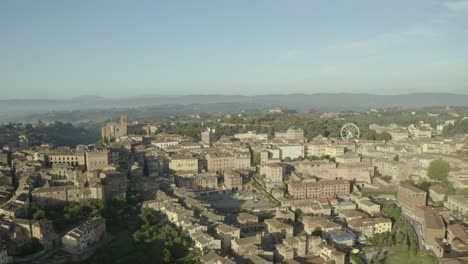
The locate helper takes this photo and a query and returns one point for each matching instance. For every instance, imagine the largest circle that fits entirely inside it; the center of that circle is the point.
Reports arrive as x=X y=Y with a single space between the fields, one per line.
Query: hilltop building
x=115 y=131
x=207 y=135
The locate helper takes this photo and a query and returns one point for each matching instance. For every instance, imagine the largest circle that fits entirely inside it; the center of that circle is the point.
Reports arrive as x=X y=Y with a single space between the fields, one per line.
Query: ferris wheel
x=349 y=131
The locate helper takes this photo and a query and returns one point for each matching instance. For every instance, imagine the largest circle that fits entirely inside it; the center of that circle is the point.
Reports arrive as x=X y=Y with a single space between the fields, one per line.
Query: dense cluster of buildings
x=290 y=200
x=442 y=231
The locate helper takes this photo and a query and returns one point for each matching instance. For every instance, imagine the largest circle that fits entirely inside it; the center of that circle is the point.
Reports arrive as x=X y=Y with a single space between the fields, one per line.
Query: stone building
x=368 y=206
x=292 y=151
x=457 y=203
x=342 y=238
x=205 y=181
x=411 y=197
x=241 y=160
x=51 y=196
x=183 y=163
x=114 y=184
x=274 y=172
x=248 y=223
x=291 y=134
x=4 y=157
x=334 y=150
x=368 y=227
x=226 y=233
x=207 y=135
x=319 y=189
x=114 y=131
x=219 y=161
x=457 y=237
x=85 y=235
x=437 y=193
x=97 y=160
x=331 y=255
x=233 y=180
x=20 y=231
x=324 y=169
x=314 y=223
x=316 y=148
x=70 y=157
x=278 y=228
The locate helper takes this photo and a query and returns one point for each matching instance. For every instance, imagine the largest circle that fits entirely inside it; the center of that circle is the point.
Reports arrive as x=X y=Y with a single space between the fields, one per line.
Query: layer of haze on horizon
x=62 y=49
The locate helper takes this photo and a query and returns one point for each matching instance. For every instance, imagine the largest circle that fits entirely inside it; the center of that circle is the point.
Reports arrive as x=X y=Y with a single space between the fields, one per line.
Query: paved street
x=417 y=228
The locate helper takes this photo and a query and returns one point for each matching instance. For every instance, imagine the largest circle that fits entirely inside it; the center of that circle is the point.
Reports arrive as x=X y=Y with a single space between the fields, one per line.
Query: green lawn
x=265 y=194
x=399 y=256
x=377 y=193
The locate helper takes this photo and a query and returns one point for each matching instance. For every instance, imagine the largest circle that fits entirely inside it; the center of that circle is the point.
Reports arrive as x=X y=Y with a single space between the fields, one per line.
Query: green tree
x=256 y=158
x=298 y=215
x=438 y=170
x=36 y=212
x=317 y=231
x=167 y=256
x=148 y=216
x=39 y=214
x=391 y=210
x=384 y=136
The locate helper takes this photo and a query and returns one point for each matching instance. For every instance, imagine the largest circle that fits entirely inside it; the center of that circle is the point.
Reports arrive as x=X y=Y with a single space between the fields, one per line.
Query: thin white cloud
x=421 y=32
x=459 y=7
x=383 y=41
x=290 y=55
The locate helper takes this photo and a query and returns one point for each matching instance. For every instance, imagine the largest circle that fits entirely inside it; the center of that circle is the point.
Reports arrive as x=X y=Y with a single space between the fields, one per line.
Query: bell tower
x=123 y=125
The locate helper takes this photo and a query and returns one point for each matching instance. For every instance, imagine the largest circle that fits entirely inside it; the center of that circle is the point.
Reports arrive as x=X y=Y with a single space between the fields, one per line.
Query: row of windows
x=98 y=162
x=67 y=158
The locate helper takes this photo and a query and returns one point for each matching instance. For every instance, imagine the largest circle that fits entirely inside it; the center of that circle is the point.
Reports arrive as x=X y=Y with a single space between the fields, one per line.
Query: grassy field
x=377 y=193
x=265 y=194
x=399 y=256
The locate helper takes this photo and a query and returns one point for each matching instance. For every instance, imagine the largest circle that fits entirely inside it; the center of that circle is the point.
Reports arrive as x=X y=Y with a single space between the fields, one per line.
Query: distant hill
x=300 y=102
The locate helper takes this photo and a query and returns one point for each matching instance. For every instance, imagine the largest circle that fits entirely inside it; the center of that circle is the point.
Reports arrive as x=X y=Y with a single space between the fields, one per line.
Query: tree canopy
x=438 y=170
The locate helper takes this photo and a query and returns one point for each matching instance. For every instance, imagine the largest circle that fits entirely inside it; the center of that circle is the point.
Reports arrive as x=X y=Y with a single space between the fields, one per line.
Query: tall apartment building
x=411 y=197
x=115 y=131
x=207 y=135
x=319 y=189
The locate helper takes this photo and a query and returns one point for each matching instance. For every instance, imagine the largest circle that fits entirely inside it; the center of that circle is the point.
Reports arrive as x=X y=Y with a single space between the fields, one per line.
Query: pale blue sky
x=62 y=49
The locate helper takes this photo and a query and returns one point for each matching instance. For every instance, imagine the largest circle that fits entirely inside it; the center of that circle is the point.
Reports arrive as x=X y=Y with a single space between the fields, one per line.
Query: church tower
x=123 y=126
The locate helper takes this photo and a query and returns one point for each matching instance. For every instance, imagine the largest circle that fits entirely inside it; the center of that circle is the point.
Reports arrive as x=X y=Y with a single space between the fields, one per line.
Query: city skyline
x=57 y=50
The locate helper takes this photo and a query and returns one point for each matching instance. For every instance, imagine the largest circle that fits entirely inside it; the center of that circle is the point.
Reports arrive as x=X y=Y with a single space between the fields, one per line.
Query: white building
x=291 y=151
x=205 y=242
x=163 y=144
x=86 y=234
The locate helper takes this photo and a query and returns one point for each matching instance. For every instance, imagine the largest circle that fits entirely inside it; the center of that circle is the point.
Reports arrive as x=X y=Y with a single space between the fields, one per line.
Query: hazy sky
x=62 y=49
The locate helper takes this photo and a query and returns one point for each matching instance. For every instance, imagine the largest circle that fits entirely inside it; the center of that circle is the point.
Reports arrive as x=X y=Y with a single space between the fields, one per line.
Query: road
x=417 y=226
